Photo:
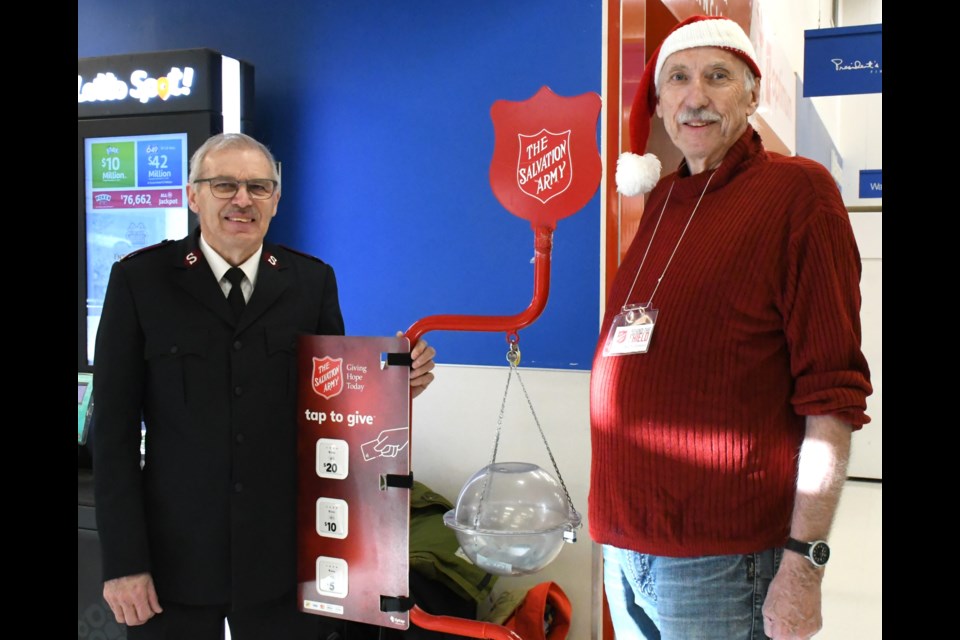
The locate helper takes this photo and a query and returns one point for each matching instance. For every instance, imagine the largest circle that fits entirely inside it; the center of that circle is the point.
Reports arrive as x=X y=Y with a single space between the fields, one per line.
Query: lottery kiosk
x=139 y=119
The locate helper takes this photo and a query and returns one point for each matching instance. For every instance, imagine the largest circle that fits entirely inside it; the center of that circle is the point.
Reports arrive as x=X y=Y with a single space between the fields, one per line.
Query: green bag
x=435 y=552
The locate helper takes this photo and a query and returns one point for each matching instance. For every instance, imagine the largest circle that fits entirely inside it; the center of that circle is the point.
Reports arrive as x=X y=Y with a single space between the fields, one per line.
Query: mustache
x=698 y=115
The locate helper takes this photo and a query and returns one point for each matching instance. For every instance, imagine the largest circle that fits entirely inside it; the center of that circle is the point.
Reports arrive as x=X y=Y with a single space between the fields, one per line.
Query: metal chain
x=503 y=406
x=496 y=441
x=543 y=436
x=513 y=357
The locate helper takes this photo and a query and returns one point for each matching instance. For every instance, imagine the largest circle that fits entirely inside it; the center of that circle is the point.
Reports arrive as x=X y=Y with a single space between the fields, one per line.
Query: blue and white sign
x=159 y=162
x=871 y=183
x=843 y=61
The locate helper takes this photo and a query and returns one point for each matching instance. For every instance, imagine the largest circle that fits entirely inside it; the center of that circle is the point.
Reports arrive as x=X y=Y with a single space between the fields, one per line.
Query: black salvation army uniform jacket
x=212 y=513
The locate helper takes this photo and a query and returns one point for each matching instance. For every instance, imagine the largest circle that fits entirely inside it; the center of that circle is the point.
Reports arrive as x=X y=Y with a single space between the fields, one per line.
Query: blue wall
x=380 y=114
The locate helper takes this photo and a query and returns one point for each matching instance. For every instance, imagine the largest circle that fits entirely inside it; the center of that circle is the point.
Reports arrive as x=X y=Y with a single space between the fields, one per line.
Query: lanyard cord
x=654 y=235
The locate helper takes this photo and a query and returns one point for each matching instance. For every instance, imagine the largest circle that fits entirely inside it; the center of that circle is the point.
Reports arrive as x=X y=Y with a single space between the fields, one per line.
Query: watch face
x=820 y=553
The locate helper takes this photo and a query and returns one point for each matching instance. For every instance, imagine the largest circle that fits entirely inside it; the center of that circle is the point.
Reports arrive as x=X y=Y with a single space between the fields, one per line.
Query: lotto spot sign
x=546 y=165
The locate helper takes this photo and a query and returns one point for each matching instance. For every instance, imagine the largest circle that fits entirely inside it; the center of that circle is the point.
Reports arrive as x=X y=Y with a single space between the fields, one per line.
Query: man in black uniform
x=198 y=339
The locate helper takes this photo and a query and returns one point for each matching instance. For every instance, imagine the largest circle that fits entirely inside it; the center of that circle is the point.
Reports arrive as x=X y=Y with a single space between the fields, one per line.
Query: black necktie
x=234 y=275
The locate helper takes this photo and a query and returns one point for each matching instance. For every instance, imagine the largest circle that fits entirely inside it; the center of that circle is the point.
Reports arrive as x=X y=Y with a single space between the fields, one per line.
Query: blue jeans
x=705 y=598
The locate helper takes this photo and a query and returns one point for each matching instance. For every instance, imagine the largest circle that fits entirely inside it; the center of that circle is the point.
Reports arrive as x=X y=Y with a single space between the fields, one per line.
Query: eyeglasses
x=225 y=188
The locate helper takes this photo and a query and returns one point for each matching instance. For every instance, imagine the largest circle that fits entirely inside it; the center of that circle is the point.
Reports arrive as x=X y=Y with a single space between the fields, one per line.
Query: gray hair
x=749 y=80
x=223 y=141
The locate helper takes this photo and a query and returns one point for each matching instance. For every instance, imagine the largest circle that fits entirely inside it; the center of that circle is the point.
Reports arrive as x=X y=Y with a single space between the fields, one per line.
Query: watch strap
x=817 y=552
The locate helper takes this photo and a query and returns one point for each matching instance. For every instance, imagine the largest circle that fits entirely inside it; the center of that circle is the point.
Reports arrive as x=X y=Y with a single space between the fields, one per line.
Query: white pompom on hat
x=638 y=172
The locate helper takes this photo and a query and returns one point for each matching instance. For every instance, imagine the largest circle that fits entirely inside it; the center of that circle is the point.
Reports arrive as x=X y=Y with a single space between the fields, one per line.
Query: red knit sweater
x=695 y=442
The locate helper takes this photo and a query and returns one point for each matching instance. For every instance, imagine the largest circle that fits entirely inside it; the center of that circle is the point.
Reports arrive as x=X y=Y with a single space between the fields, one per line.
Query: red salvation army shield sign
x=546 y=164
x=327 y=378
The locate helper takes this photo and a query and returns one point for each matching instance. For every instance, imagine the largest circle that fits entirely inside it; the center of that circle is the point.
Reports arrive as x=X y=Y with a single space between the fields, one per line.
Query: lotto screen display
x=135 y=197
x=84 y=398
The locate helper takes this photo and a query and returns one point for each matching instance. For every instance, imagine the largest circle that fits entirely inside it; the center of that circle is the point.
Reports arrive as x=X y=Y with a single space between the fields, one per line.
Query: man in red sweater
x=728 y=375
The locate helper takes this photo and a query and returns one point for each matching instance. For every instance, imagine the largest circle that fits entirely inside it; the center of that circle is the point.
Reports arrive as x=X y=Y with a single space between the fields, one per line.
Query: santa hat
x=638 y=173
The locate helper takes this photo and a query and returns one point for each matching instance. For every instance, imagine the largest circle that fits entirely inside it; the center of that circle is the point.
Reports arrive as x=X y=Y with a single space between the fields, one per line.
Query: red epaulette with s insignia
x=146 y=249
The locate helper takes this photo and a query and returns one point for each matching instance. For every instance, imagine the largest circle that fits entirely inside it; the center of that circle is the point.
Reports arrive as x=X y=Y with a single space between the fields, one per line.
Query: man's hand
x=422 y=356
x=792 y=608
x=132 y=599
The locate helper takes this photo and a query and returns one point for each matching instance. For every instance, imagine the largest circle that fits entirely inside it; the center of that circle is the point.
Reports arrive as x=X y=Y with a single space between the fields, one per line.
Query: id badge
x=631 y=331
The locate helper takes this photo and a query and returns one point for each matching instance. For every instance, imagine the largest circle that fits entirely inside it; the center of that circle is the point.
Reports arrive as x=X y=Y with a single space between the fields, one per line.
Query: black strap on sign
x=396 y=603
x=395 y=480
x=397 y=360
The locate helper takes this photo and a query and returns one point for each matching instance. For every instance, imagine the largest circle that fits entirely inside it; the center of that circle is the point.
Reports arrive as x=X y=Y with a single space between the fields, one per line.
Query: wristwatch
x=816 y=552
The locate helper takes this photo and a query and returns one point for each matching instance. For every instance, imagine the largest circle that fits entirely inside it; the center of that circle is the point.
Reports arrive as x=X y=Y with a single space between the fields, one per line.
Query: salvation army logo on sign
x=545 y=163
x=327 y=378
x=543 y=168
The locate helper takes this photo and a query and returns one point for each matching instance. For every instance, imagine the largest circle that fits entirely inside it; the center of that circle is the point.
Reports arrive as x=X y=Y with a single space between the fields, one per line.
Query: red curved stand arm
x=460 y=626
x=543 y=246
